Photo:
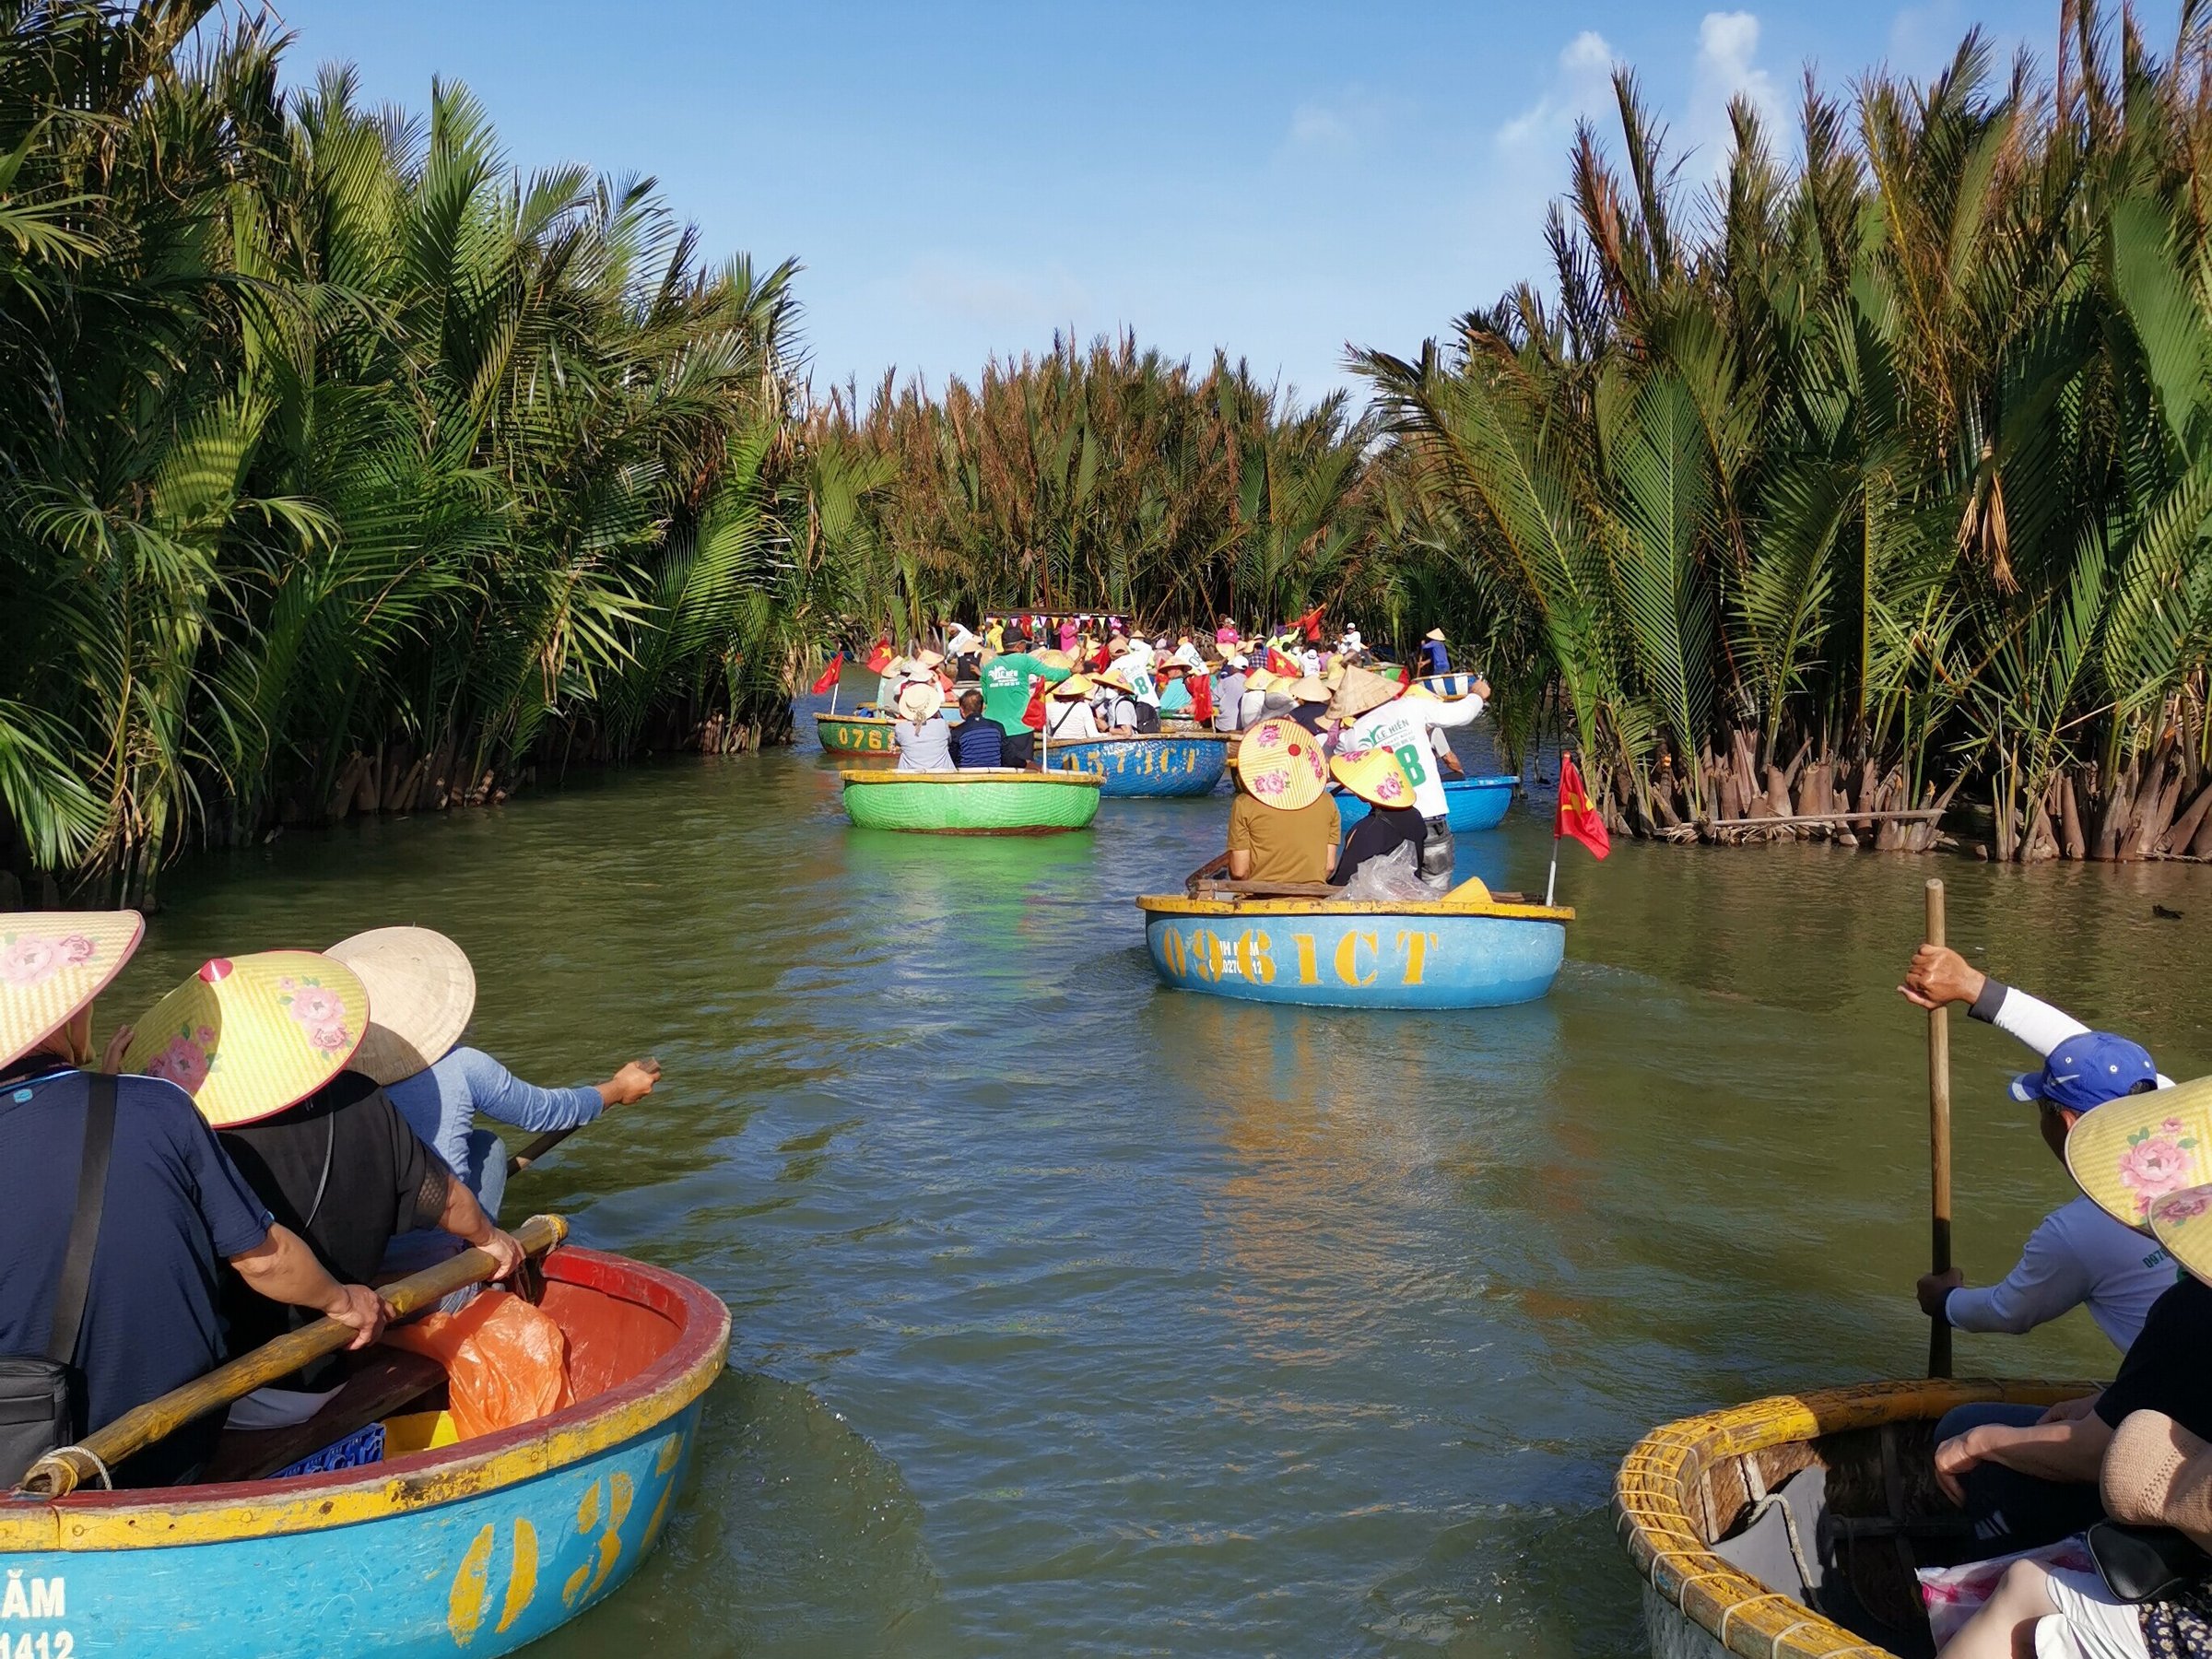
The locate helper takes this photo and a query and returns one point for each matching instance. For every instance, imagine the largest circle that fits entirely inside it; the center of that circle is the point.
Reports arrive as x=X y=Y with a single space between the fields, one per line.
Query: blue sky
x=959 y=179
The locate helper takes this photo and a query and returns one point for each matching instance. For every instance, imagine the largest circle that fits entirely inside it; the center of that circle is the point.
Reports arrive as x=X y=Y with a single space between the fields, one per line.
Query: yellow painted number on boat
x=1416 y=947
x=1170 y=947
x=1347 y=959
x=1309 y=972
x=1255 y=958
x=464 y=1606
x=664 y=1467
x=1206 y=955
x=585 y=1582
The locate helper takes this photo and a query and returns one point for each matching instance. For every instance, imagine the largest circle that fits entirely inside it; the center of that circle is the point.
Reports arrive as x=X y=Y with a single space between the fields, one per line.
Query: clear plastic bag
x=1393 y=878
x=506 y=1362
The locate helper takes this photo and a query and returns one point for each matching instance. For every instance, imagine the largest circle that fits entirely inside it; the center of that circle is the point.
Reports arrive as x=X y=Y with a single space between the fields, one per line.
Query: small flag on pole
x=829 y=673
x=1578 y=818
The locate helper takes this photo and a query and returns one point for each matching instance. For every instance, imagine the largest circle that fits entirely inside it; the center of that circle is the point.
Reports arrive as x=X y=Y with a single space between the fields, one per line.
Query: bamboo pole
x=1939 y=1146
x=61 y=1471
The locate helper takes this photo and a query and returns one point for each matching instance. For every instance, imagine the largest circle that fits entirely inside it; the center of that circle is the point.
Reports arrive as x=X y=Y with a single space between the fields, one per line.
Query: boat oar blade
x=61 y=1471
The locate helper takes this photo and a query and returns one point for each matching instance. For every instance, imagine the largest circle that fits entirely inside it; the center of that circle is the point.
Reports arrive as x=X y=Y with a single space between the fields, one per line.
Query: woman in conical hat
x=261 y=1042
x=52 y=965
x=421 y=993
x=1375 y=776
x=923 y=742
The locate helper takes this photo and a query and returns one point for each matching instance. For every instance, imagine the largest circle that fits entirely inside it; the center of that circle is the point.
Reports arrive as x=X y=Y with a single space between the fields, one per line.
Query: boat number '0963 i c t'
x=1355 y=958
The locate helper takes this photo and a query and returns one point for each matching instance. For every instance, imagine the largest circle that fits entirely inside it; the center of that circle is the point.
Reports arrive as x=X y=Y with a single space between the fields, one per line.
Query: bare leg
x=2005 y=1628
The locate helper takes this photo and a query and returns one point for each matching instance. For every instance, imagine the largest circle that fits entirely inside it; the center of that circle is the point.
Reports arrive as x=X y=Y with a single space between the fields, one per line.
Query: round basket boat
x=1832 y=1491
x=1469 y=802
x=1338 y=953
x=1448 y=688
x=865 y=733
x=481 y=1547
x=986 y=801
x=1176 y=763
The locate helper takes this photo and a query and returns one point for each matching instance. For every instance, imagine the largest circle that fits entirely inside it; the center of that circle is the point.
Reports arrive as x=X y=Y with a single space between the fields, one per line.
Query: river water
x=1078 y=1315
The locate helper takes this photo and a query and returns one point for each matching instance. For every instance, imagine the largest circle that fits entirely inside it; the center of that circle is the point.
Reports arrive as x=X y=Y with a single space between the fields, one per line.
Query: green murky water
x=1076 y=1315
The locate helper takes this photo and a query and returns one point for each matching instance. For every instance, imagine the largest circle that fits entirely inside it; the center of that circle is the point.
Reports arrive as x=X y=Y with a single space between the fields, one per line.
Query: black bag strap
x=83 y=1226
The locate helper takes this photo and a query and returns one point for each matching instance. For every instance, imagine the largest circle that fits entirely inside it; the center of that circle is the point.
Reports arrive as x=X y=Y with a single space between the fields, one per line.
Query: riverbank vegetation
x=345 y=468
x=1865 y=480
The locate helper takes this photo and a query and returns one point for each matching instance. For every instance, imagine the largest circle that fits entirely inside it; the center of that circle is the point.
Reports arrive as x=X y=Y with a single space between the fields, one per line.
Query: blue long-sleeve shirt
x=440 y=1104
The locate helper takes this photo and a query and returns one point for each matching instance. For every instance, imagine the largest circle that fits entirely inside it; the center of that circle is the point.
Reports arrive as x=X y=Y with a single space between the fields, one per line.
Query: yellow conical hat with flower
x=1280 y=762
x=2129 y=1153
x=52 y=964
x=1375 y=776
x=247 y=1036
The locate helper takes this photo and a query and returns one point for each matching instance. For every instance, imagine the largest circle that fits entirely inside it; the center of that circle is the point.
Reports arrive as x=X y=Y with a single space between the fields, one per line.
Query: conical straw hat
x=1259 y=679
x=2129 y=1153
x=1360 y=691
x=1074 y=684
x=248 y=1036
x=2183 y=1222
x=1375 y=776
x=421 y=992
x=1309 y=689
x=1280 y=762
x=54 y=963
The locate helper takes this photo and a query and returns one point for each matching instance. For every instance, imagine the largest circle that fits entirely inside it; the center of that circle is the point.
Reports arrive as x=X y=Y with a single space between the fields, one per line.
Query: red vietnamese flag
x=1578 y=818
x=1283 y=667
x=1202 y=699
x=880 y=658
x=829 y=673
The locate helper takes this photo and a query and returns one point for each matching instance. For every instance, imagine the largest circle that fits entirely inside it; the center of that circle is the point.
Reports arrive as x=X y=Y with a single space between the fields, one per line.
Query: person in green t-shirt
x=1007 y=680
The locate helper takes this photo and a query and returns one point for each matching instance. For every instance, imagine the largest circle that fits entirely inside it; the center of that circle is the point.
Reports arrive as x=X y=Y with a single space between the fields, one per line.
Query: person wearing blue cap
x=2079 y=1256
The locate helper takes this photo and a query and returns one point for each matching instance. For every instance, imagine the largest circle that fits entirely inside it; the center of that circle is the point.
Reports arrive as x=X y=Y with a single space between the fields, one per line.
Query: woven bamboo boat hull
x=1469 y=802
x=1691 y=1484
x=854 y=734
x=1006 y=802
x=1331 y=953
x=1185 y=763
x=479 y=1547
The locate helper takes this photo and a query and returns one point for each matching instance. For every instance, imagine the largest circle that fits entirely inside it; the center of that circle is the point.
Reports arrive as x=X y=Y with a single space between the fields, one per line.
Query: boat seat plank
x=389 y=1378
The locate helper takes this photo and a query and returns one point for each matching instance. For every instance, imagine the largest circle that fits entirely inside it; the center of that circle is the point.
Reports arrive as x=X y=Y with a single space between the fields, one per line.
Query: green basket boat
x=860 y=734
x=982 y=802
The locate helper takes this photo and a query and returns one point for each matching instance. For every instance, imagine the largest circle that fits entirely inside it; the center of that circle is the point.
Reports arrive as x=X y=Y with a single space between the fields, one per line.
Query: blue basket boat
x=1337 y=953
x=477 y=1548
x=1183 y=763
x=1469 y=802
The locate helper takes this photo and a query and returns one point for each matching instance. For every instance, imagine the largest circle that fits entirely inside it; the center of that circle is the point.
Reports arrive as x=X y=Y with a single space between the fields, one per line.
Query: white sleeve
x=2039 y=1025
x=1459 y=713
x=2050 y=1279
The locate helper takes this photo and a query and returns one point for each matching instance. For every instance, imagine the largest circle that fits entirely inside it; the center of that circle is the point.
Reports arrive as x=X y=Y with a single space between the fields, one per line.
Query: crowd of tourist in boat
x=2030 y=1478
x=280 y=1134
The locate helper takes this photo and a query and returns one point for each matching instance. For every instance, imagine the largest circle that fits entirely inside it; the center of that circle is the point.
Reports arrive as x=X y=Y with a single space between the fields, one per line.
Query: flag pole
x=1551 y=881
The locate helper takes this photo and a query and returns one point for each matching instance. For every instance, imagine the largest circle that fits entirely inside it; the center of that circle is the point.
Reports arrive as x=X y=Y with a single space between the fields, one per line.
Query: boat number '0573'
x=34 y=1598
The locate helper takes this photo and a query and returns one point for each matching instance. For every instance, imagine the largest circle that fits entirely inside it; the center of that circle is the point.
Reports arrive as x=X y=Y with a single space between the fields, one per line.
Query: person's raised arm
x=499 y=1093
x=284 y=1270
x=1938 y=976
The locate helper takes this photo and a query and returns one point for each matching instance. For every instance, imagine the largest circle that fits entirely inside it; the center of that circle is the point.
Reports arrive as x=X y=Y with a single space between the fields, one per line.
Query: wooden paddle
x=61 y=1471
x=1939 y=1144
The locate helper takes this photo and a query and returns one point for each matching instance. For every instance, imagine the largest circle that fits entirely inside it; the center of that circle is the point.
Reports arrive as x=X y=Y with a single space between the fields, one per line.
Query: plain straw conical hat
x=247 y=1036
x=1362 y=690
x=1281 y=763
x=54 y=963
x=1437 y=634
x=421 y=993
x=2129 y=1153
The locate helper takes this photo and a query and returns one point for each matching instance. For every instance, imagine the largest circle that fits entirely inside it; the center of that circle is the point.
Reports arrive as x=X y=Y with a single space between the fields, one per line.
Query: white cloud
x=1582 y=86
x=1342 y=124
x=1727 y=46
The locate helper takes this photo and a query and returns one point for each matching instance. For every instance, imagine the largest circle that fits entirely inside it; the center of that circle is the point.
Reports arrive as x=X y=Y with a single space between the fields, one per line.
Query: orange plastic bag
x=506 y=1362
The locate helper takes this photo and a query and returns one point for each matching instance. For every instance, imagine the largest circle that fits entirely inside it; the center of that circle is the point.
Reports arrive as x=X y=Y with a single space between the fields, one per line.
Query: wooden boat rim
x=162 y=1517
x=977 y=774
x=857 y=719
x=1655 y=1484
x=1176 y=904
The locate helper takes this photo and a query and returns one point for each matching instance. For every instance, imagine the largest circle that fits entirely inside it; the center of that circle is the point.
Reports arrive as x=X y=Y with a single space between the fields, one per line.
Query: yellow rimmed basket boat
x=475 y=1547
x=1786 y=1528
x=984 y=801
x=1330 y=952
x=864 y=732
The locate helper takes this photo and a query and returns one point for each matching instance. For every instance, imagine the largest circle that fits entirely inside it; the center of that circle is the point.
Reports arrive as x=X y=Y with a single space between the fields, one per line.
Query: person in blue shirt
x=977 y=742
x=1434 y=659
x=421 y=993
x=174 y=1206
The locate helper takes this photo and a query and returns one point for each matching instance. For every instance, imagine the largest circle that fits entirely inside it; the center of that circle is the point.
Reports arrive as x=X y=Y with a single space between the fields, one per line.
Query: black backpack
x=42 y=1397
